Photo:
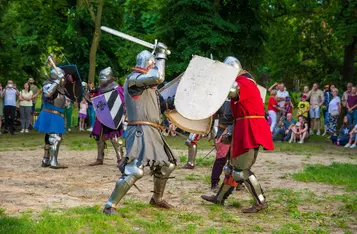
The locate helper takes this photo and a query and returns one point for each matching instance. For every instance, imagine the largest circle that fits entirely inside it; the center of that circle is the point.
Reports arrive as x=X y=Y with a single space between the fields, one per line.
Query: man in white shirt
x=281 y=95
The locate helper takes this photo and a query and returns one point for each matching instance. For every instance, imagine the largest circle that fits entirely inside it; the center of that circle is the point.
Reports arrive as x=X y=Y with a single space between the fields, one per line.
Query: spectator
x=10 y=93
x=346 y=94
x=303 y=107
x=35 y=92
x=281 y=95
x=352 y=137
x=288 y=107
x=25 y=108
x=344 y=135
x=299 y=131
x=275 y=86
x=68 y=109
x=83 y=106
x=306 y=91
x=324 y=108
x=273 y=109
x=91 y=113
x=352 y=106
x=316 y=97
x=334 y=110
x=1 y=107
x=285 y=129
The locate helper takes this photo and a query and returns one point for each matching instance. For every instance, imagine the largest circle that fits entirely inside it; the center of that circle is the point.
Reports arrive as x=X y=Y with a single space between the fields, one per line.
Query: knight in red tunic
x=250 y=131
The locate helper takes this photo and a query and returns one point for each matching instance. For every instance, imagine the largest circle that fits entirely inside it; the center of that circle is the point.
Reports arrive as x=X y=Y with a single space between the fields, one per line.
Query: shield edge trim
x=167 y=114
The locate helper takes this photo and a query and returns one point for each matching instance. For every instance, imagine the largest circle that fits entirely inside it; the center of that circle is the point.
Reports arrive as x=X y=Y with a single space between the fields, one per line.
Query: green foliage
x=204 y=27
x=336 y=173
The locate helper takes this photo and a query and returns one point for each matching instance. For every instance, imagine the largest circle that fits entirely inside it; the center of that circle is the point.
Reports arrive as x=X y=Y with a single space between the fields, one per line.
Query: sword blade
x=128 y=37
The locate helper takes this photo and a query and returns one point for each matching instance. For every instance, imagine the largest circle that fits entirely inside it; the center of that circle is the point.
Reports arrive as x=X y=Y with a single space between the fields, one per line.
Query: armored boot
x=192 y=152
x=100 y=155
x=118 y=145
x=46 y=156
x=133 y=171
x=161 y=175
x=55 y=140
x=221 y=196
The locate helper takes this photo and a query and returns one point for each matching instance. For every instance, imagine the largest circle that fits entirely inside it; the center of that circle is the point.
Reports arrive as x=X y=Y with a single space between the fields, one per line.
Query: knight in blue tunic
x=51 y=118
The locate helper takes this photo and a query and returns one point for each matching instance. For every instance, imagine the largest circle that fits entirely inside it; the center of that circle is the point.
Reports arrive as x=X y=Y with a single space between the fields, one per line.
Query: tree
x=97 y=19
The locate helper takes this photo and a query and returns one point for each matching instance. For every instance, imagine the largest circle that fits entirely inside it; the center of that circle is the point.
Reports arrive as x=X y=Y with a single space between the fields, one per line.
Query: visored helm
x=233 y=61
x=144 y=59
x=106 y=76
x=55 y=75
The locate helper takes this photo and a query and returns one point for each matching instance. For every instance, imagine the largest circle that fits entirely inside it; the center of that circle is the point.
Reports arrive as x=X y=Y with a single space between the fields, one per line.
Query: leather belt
x=158 y=126
x=222 y=126
x=251 y=117
x=54 y=112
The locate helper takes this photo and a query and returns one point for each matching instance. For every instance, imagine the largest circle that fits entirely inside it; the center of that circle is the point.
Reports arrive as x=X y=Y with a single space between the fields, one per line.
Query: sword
x=132 y=39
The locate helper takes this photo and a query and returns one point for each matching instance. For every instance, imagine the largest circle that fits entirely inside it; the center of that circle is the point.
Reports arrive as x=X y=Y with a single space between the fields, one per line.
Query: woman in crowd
x=25 y=107
x=1 y=107
x=352 y=138
x=344 y=136
x=352 y=106
x=300 y=131
x=305 y=92
x=273 y=109
x=334 y=110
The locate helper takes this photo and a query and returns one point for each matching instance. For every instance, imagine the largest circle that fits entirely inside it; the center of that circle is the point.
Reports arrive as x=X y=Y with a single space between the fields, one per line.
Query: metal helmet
x=57 y=74
x=144 y=59
x=233 y=61
x=106 y=76
x=85 y=86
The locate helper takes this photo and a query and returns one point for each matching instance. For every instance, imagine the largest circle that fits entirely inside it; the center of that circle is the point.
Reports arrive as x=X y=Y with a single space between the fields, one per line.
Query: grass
x=336 y=174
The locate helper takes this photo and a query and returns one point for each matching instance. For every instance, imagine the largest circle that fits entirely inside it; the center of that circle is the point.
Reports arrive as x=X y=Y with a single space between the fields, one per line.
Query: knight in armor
x=191 y=143
x=102 y=133
x=145 y=145
x=88 y=94
x=250 y=131
x=51 y=118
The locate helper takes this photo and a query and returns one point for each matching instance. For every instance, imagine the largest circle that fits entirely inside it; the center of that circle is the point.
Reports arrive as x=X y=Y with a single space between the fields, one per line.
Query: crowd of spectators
x=18 y=107
x=315 y=104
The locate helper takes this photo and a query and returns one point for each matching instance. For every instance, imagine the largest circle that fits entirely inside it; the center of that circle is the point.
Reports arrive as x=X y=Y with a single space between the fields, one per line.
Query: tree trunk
x=348 y=61
x=95 y=42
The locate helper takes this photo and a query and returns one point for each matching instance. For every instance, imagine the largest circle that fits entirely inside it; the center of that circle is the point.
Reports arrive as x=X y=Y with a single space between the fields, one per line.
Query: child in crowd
x=299 y=131
x=82 y=114
x=353 y=137
x=288 y=106
x=303 y=107
x=273 y=108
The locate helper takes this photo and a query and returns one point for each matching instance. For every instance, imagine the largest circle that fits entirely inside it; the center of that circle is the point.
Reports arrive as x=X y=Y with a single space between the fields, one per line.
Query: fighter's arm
x=155 y=75
x=50 y=89
x=234 y=91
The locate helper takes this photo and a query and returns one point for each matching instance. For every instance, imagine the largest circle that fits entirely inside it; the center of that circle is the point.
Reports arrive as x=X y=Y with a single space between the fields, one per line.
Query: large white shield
x=204 y=87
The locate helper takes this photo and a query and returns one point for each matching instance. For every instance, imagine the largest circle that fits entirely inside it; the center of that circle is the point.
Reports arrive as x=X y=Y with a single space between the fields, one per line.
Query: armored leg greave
x=132 y=173
x=55 y=141
x=100 y=148
x=46 y=156
x=192 y=152
x=224 y=193
x=161 y=175
x=118 y=145
x=251 y=183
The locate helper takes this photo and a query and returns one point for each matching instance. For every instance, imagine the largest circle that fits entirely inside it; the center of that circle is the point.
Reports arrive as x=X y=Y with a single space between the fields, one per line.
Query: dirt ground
x=26 y=185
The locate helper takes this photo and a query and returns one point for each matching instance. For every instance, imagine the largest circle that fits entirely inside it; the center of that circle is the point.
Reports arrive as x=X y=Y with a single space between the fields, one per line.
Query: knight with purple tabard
x=108 y=103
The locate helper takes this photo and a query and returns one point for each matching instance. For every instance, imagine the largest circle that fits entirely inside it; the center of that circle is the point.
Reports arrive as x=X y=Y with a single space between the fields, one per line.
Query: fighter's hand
x=161 y=51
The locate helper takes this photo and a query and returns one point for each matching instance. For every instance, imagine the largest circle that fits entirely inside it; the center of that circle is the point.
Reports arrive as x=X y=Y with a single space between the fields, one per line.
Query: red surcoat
x=251 y=129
